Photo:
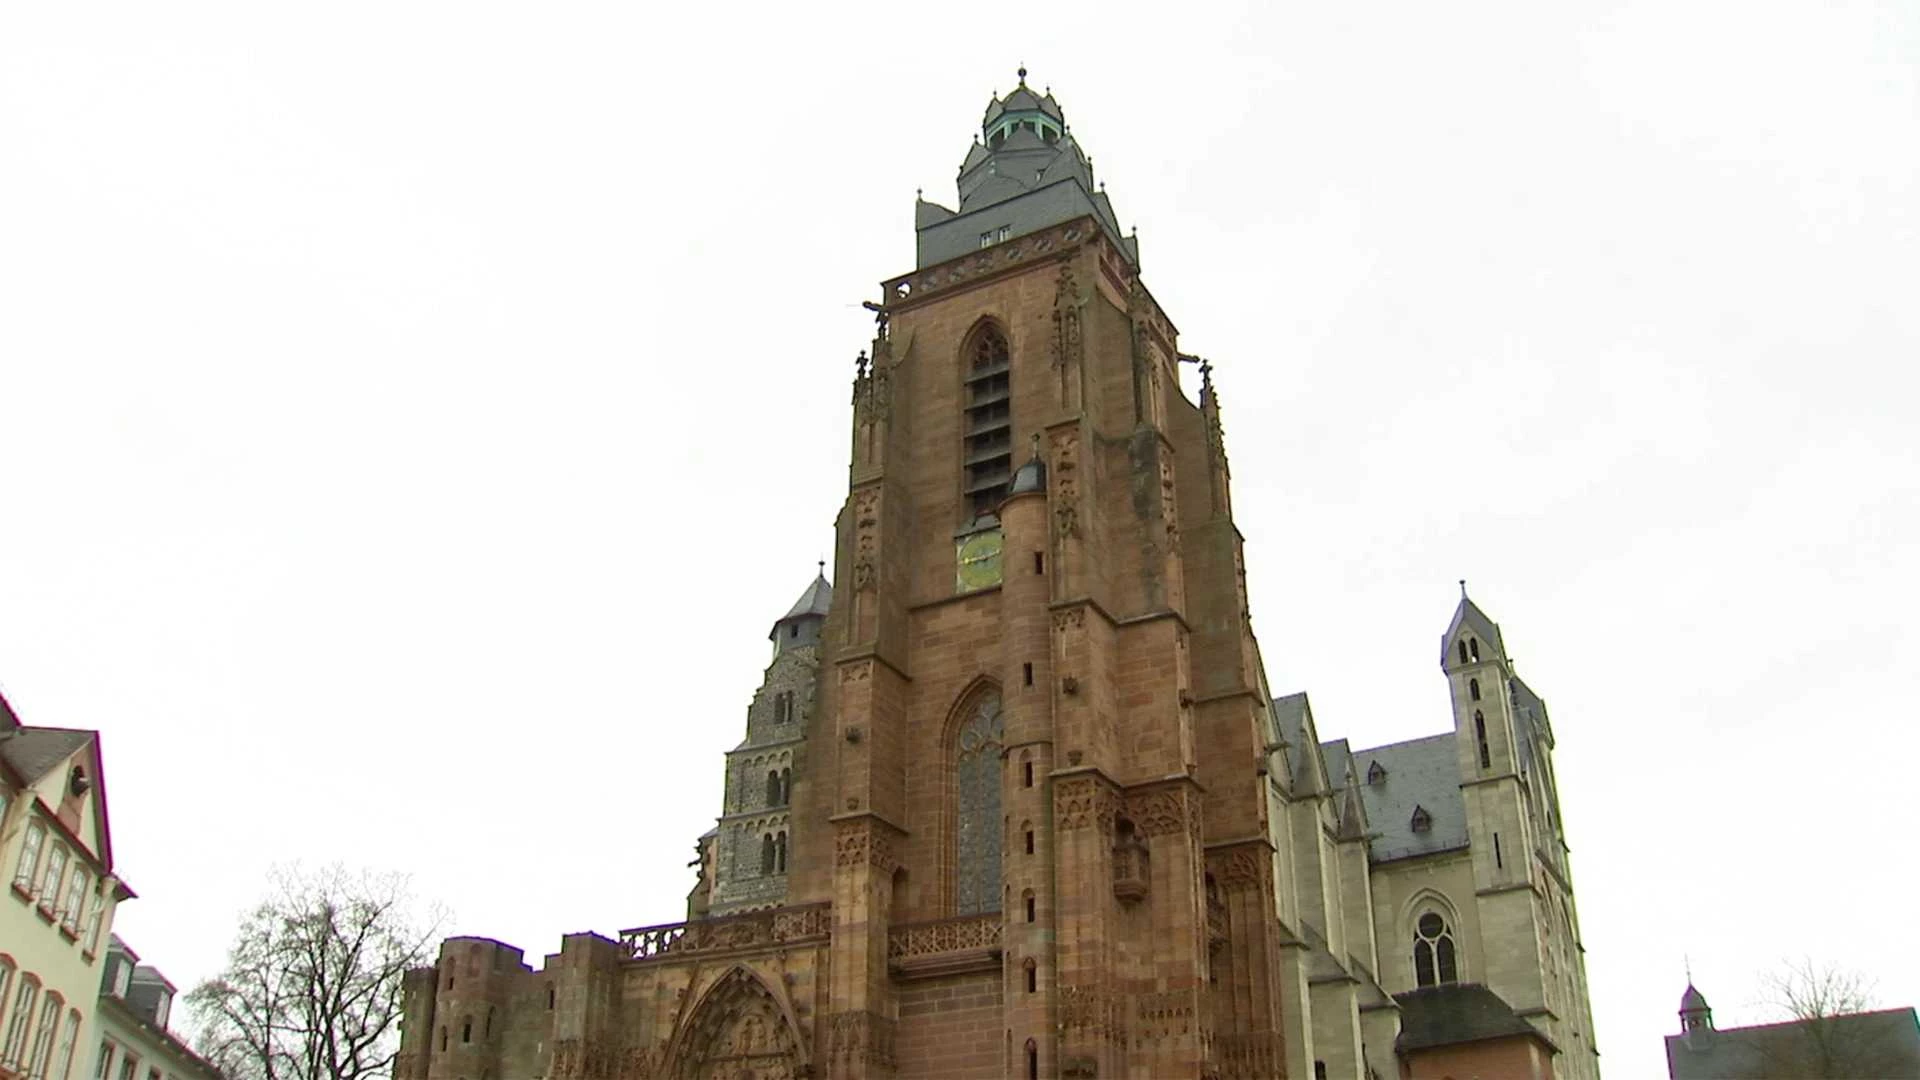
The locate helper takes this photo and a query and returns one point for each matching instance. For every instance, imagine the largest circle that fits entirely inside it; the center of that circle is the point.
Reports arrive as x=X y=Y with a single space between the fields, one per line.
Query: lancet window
x=987 y=452
x=977 y=825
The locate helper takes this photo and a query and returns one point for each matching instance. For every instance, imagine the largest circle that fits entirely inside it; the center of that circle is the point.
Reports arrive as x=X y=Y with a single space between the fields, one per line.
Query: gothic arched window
x=1473 y=689
x=977 y=825
x=1433 y=952
x=987 y=455
x=1480 y=737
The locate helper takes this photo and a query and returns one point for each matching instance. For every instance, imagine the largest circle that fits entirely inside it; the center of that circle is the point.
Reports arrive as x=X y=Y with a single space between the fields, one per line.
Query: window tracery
x=977 y=826
x=1434 y=962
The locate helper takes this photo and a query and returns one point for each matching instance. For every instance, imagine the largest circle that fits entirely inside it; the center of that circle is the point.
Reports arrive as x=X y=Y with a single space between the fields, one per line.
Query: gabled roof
x=32 y=752
x=1883 y=1043
x=1454 y=1014
x=1469 y=615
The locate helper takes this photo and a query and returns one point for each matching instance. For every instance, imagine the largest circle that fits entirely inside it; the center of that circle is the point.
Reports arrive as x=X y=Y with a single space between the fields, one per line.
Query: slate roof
x=1879 y=1044
x=1529 y=707
x=1291 y=717
x=1454 y=1014
x=815 y=601
x=1468 y=614
x=34 y=752
x=8 y=721
x=1420 y=772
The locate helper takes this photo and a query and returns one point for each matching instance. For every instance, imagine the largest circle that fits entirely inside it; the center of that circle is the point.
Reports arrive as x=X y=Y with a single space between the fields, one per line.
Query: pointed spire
x=1463 y=588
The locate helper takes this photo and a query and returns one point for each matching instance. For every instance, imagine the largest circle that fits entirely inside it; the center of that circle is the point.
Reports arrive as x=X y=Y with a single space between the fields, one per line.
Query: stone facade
x=1045 y=817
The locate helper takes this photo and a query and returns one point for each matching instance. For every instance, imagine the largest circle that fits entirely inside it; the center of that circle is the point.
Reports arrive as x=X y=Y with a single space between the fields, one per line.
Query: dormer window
x=1422 y=821
x=1376 y=774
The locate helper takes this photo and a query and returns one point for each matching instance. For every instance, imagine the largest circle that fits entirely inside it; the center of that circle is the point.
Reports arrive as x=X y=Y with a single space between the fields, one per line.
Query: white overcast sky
x=412 y=415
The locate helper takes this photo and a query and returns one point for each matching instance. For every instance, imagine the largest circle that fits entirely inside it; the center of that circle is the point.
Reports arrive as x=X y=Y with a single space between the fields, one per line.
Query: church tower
x=1522 y=880
x=1045 y=622
x=747 y=868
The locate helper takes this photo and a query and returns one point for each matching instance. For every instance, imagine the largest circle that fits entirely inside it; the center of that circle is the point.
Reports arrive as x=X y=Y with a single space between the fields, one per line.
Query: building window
x=1433 y=953
x=1033 y=1060
x=76 y=899
x=1033 y=976
x=1480 y=739
x=780 y=853
x=6 y=987
x=773 y=787
x=1006 y=232
x=466 y=1029
x=1463 y=651
x=986 y=239
x=1473 y=647
x=43 y=1038
x=29 y=856
x=13 y=1051
x=129 y=1066
x=105 y=1069
x=977 y=821
x=766 y=853
x=987 y=450
x=1422 y=821
x=56 y=871
x=1473 y=689
x=1030 y=905
x=1376 y=774
x=63 y=1057
x=96 y=912
x=443 y=1038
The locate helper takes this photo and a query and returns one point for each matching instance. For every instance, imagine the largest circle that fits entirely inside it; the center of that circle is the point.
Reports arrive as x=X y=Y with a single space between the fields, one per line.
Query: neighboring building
x=1884 y=1045
x=133 y=1042
x=1015 y=798
x=55 y=849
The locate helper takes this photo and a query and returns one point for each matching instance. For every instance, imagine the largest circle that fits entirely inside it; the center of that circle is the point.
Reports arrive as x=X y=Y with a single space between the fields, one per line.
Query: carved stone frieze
x=780 y=926
x=864 y=842
x=1069 y=618
x=1236 y=870
x=1091 y=1010
x=1083 y=801
x=1169 y=508
x=1163 y=1015
x=1065 y=479
x=944 y=936
x=1160 y=811
x=860 y=1036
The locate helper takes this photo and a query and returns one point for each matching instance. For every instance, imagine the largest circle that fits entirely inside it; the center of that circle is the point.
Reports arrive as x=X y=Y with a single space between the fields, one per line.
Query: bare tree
x=1826 y=1037
x=311 y=989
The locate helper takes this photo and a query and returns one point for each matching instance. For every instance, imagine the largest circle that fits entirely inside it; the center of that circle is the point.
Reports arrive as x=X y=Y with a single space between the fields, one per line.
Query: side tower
x=1034 y=867
x=1523 y=886
x=753 y=841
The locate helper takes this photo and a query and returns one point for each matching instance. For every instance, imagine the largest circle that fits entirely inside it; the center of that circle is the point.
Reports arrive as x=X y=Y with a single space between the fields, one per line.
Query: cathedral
x=1016 y=798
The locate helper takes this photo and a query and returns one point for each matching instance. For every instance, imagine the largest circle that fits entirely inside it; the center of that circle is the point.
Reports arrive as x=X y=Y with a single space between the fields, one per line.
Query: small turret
x=800 y=626
x=1694 y=1013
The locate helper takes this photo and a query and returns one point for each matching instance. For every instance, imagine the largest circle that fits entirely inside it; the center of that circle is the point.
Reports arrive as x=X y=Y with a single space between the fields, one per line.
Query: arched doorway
x=739 y=1031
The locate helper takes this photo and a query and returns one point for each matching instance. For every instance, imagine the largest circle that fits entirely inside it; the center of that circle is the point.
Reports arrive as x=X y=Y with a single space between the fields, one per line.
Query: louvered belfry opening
x=988 y=456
